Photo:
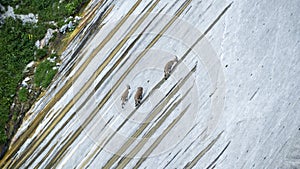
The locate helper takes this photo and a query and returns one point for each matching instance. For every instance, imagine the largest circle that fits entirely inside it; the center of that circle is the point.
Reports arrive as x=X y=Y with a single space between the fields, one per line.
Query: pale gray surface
x=257 y=44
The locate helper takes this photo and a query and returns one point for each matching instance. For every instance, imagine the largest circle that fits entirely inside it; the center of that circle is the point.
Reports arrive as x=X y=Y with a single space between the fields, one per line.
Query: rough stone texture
x=31 y=18
x=63 y=29
x=45 y=41
x=257 y=45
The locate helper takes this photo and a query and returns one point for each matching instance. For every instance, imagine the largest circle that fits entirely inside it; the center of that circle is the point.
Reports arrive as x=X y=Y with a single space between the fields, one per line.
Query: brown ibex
x=138 y=96
x=124 y=97
x=169 y=67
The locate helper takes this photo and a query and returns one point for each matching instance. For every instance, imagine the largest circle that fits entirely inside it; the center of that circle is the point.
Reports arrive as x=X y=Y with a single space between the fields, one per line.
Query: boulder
x=70 y=25
x=63 y=29
x=29 y=18
x=77 y=18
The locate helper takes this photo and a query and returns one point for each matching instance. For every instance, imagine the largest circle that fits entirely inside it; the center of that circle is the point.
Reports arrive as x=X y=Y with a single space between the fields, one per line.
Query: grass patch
x=41 y=53
x=23 y=94
x=44 y=73
x=15 y=116
x=48 y=10
x=17 y=49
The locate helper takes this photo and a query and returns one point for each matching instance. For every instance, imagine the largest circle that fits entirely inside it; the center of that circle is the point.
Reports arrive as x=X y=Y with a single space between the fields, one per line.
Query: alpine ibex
x=169 y=67
x=138 y=96
x=124 y=97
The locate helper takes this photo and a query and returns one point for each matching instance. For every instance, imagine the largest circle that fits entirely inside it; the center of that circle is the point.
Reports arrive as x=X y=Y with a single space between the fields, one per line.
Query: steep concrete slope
x=232 y=100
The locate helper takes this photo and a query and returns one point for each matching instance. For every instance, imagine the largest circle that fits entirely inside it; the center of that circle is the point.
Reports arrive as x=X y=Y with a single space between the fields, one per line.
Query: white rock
x=38 y=43
x=77 y=18
x=29 y=18
x=9 y=13
x=27 y=79
x=46 y=39
x=24 y=84
x=68 y=19
x=70 y=25
x=30 y=64
x=51 y=59
x=63 y=29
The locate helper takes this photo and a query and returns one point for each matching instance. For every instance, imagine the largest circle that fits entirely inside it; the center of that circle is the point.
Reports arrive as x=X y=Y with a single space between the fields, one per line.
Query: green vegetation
x=41 y=53
x=48 y=10
x=15 y=116
x=23 y=94
x=44 y=73
x=17 y=49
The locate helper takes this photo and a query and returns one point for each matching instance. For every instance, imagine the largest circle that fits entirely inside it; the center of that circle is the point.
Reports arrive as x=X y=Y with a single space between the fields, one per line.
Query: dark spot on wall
x=226 y=65
x=265 y=158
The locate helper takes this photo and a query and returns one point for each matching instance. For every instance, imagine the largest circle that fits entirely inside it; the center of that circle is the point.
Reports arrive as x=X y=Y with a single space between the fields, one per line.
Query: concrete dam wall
x=232 y=99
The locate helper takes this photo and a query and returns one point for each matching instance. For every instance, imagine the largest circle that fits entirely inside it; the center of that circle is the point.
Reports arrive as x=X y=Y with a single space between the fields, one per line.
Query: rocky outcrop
x=45 y=41
x=70 y=24
x=29 y=18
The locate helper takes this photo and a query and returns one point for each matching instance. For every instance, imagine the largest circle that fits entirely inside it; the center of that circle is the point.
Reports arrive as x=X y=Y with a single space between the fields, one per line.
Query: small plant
x=44 y=73
x=3 y=136
x=15 y=116
x=41 y=53
x=53 y=55
x=48 y=78
x=70 y=7
x=23 y=94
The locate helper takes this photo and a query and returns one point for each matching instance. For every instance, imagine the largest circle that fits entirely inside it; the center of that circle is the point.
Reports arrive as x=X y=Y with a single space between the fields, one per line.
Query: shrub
x=41 y=53
x=23 y=94
x=3 y=136
x=48 y=78
x=44 y=73
x=15 y=116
